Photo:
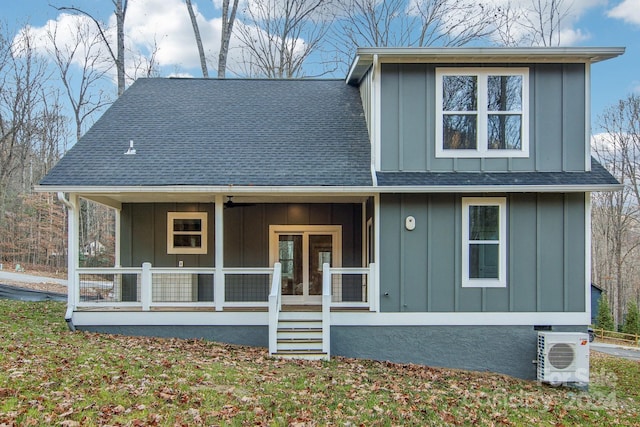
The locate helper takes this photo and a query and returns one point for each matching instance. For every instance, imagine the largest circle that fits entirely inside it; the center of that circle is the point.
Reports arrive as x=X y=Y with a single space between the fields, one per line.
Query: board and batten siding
x=556 y=121
x=246 y=232
x=420 y=270
x=143 y=229
x=367 y=98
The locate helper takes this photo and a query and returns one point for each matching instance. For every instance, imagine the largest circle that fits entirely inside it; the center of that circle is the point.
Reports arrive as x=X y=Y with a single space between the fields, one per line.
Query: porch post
x=145 y=286
x=72 y=251
x=116 y=260
x=219 y=253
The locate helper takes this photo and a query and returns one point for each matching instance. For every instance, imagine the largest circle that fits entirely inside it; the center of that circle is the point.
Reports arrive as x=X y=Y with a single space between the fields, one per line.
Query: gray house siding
x=246 y=232
x=143 y=228
x=420 y=270
x=556 y=128
x=246 y=235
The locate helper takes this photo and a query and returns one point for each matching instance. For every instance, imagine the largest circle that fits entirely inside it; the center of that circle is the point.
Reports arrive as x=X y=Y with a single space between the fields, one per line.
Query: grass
x=51 y=376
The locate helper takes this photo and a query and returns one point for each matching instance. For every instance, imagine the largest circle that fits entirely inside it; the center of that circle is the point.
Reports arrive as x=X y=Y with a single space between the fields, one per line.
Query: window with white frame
x=484 y=234
x=186 y=232
x=482 y=112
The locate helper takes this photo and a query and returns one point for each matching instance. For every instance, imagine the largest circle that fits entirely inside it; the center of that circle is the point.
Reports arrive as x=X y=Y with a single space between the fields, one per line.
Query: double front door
x=302 y=250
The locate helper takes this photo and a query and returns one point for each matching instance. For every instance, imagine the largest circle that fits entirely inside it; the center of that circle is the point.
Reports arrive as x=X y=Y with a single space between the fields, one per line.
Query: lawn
x=51 y=376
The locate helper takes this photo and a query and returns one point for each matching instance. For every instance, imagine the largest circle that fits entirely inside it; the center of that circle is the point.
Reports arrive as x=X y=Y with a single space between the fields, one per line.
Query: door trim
x=305 y=230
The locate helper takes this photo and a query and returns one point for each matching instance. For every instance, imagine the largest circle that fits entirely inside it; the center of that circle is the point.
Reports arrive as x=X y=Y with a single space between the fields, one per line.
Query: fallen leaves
x=51 y=376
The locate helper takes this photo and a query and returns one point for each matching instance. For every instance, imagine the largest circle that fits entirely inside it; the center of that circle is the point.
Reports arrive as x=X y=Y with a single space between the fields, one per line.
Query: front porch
x=294 y=331
x=238 y=261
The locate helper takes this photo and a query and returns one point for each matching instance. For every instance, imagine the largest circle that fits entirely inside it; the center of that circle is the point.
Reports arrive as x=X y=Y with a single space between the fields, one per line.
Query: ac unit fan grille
x=561 y=355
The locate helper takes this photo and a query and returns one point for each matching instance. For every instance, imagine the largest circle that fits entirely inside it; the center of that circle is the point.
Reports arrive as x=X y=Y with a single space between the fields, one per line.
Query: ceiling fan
x=231 y=204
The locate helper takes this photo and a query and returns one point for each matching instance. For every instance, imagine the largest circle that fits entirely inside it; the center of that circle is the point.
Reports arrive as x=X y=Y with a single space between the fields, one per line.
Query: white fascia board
x=217 y=189
x=498 y=188
x=364 y=56
x=328 y=191
x=198 y=318
x=459 y=319
x=484 y=54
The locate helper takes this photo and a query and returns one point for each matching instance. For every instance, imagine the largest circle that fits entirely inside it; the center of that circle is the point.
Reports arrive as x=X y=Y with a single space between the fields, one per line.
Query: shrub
x=604 y=319
x=632 y=320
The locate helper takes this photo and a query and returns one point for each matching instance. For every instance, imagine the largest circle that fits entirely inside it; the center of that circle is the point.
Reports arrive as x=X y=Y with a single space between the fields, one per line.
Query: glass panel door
x=301 y=251
x=320 y=251
x=290 y=256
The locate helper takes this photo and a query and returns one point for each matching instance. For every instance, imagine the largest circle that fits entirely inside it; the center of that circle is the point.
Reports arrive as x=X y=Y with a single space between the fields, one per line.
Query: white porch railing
x=353 y=287
x=146 y=287
x=326 y=309
x=275 y=304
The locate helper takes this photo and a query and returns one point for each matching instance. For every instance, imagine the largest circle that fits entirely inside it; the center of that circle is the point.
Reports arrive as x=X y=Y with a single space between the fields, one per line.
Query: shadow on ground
x=22 y=294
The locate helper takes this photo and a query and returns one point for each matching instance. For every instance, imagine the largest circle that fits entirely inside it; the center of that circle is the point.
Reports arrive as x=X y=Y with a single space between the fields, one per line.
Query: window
x=484 y=252
x=482 y=113
x=186 y=232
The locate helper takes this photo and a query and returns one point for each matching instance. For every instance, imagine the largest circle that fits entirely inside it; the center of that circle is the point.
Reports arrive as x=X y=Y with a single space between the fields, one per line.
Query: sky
x=592 y=23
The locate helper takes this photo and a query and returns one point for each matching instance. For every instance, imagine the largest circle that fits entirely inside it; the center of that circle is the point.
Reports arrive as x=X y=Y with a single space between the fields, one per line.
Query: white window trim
x=202 y=216
x=483 y=150
x=501 y=281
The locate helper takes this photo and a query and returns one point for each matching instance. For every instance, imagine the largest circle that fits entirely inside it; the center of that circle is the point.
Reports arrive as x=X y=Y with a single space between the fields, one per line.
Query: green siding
x=443 y=249
x=390 y=253
x=420 y=270
x=556 y=121
x=550 y=236
x=246 y=232
x=144 y=235
x=523 y=275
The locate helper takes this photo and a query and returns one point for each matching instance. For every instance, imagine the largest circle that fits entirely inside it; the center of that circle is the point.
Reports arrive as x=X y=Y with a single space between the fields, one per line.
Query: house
x=433 y=208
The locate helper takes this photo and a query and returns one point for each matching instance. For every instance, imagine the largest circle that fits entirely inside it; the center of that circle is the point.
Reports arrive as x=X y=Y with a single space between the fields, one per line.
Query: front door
x=301 y=250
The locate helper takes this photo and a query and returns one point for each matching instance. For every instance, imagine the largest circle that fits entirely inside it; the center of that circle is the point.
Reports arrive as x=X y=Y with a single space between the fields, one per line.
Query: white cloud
x=166 y=24
x=571 y=11
x=628 y=11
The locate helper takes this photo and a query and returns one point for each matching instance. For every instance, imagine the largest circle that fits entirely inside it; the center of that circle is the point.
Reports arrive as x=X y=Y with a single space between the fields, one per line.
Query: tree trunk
x=225 y=37
x=196 y=33
x=121 y=10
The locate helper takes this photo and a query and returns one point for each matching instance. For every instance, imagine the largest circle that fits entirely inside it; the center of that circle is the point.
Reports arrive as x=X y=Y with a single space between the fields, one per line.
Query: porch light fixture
x=131 y=150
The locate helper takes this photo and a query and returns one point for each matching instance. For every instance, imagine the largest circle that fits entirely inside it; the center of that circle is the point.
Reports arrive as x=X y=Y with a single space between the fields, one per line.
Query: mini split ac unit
x=563 y=357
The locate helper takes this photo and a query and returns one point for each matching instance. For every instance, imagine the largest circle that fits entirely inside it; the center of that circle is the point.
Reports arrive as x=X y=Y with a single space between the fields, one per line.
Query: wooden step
x=301 y=354
x=299 y=325
x=299 y=344
x=300 y=315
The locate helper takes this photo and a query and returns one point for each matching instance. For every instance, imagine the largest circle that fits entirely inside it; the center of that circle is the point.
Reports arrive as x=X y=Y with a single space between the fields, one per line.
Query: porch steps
x=300 y=335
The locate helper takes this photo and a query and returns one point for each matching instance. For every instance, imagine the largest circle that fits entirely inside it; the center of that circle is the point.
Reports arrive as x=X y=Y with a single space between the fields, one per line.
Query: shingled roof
x=224 y=132
x=597 y=177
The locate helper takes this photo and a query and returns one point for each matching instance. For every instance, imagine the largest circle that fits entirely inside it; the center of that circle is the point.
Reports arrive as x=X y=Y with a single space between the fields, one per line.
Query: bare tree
x=196 y=33
x=81 y=67
x=32 y=136
x=228 y=19
x=279 y=36
x=145 y=65
x=616 y=216
x=411 y=23
x=531 y=23
x=23 y=77
x=118 y=56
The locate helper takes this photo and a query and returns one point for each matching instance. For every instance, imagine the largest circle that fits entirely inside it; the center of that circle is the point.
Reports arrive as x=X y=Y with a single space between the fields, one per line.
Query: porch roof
x=231 y=132
x=597 y=179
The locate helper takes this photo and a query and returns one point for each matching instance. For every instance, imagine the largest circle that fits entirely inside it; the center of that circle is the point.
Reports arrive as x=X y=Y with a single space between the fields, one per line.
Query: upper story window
x=482 y=112
x=186 y=232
